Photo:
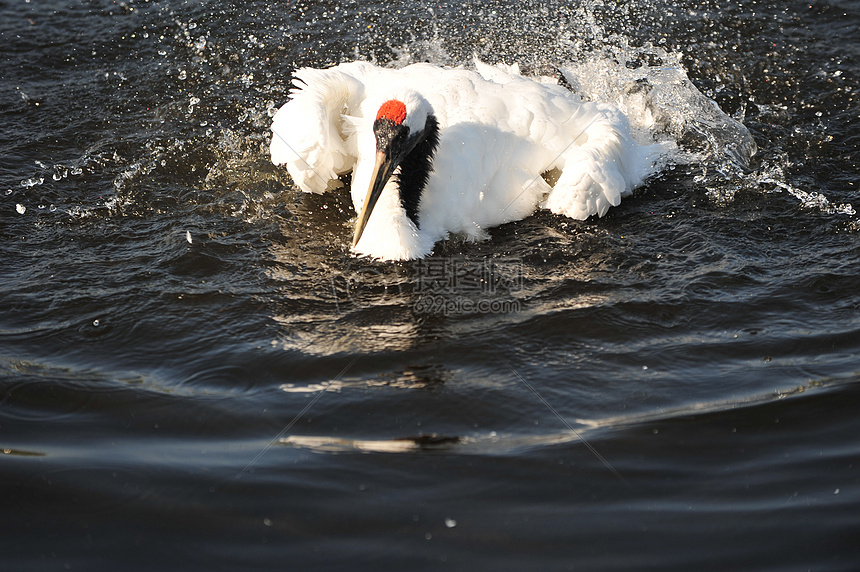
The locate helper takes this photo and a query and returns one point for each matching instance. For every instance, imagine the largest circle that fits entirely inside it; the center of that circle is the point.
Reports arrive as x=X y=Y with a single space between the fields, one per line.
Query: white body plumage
x=497 y=133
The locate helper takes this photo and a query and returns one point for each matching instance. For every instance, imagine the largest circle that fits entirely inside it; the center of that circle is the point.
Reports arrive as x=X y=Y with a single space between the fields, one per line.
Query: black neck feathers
x=415 y=169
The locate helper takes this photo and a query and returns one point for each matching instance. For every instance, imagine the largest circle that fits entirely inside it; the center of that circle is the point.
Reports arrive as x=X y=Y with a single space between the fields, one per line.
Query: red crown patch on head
x=393 y=110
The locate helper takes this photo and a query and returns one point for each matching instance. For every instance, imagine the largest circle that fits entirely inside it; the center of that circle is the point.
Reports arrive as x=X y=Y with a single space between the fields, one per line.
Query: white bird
x=435 y=151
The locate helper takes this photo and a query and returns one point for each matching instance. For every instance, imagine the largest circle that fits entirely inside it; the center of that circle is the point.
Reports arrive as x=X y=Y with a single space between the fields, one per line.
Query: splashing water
x=648 y=84
x=209 y=144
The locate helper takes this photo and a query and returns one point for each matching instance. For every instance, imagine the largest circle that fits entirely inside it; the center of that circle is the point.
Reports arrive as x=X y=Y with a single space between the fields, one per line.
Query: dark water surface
x=195 y=373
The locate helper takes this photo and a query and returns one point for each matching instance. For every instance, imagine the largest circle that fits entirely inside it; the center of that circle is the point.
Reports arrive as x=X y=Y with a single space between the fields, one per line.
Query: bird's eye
x=389 y=134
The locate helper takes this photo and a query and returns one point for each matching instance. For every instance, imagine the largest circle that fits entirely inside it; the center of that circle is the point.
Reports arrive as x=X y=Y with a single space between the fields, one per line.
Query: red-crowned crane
x=435 y=150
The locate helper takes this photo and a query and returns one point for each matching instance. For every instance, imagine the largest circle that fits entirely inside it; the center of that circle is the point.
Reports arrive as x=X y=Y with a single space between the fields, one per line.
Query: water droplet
x=450 y=522
x=20 y=208
x=96 y=323
x=182 y=75
x=188 y=236
x=27 y=183
x=267 y=522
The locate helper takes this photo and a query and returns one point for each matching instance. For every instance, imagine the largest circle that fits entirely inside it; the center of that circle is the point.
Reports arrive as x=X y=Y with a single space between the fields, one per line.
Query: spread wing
x=602 y=165
x=310 y=133
x=595 y=158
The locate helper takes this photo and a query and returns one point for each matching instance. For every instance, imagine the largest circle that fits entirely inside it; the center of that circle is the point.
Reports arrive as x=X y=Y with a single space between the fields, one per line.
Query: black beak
x=382 y=169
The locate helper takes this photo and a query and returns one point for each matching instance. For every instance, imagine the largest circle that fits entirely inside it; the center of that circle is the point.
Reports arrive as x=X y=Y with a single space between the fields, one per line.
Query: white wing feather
x=309 y=133
x=602 y=165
